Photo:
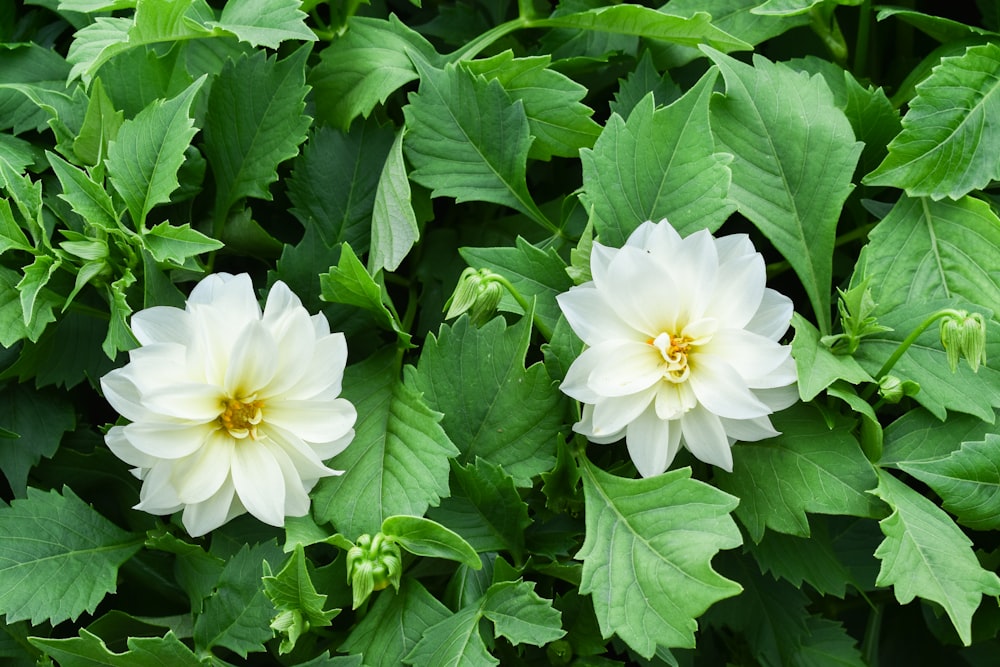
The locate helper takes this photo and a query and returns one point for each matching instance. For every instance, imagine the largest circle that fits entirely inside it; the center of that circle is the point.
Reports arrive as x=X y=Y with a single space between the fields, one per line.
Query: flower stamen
x=674 y=350
x=241 y=417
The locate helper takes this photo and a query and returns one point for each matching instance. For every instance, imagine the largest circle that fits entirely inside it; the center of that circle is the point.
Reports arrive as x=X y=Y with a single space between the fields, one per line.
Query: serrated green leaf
x=237 y=613
x=828 y=645
x=89 y=650
x=925 y=250
x=292 y=592
x=559 y=123
x=135 y=79
x=12 y=326
x=120 y=337
x=647 y=555
x=149 y=149
x=810 y=467
x=452 y=641
x=265 y=22
x=350 y=283
x=925 y=554
x=363 y=66
x=394 y=223
x=11 y=235
x=493 y=407
x=795 y=156
x=466 y=139
x=520 y=615
x=254 y=122
x=425 y=537
x=398 y=461
x=812 y=560
x=948 y=145
x=968 y=481
x=197 y=571
x=176 y=243
x=919 y=435
x=335 y=179
x=643 y=80
x=660 y=163
x=27 y=197
x=38 y=420
x=100 y=126
x=85 y=197
x=817 y=366
x=16 y=152
x=36 y=277
x=35 y=65
x=62 y=541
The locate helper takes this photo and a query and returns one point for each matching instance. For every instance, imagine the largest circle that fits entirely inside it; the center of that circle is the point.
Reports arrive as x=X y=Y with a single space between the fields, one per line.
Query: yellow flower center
x=674 y=351
x=241 y=417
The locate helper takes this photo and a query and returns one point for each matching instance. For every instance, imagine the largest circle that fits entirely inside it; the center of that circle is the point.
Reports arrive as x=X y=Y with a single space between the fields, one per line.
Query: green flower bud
x=964 y=335
x=891 y=389
x=373 y=564
x=476 y=293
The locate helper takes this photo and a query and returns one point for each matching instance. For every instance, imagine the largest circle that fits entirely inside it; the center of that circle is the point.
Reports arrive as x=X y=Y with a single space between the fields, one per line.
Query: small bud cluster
x=372 y=564
x=964 y=335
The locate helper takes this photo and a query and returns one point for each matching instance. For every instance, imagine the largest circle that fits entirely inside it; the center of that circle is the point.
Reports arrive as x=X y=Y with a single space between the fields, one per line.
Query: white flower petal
x=674 y=399
x=778 y=398
x=612 y=415
x=296 y=493
x=167 y=440
x=585 y=427
x=623 y=367
x=259 y=482
x=721 y=390
x=646 y=295
x=749 y=430
x=223 y=506
x=652 y=443
x=195 y=402
x=759 y=361
x=123 y=449
x=325 y=372
x=592 y=318
x=308 y=461
x=733 y=246
x=736 y=307
x=253 y=363
x=123 y=395
x=158 y=495
x=313 y=421
x=200 y=476
x=773 y=316
x=576 y=384
x=161 y=324
x=705 y=437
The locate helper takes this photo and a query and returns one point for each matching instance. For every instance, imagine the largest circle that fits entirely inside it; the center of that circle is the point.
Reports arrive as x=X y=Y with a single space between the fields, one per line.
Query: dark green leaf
x=89 y=650
x=38 y=419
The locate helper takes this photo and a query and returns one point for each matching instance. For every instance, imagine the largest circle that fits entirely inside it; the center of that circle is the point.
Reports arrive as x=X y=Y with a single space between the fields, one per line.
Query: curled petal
x=592 y=318
x=773 y=315
x=612 y=415
x=585 y=427
x=706 y=438
x=222 y=506
x=195 y=402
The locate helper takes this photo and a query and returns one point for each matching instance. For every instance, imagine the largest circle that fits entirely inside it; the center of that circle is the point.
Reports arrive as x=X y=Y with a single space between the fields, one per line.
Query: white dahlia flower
x=232 y=410
x=682 y=347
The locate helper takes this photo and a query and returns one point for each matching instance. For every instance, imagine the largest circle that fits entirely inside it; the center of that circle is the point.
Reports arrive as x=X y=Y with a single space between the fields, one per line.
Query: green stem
x=824 y=24
x=541 y=326
x=869 y=645
x=473 y=48
x=864 y=36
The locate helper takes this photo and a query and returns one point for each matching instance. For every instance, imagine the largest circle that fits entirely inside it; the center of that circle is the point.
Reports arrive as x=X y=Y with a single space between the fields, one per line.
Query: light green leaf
x=452 y=641
x=363 y=66
x=466 y=139
x=265 y=22
x=335 y=179
x=293 y=594
x=919 y=435
x=647 y=555
x=398 y=461
x=520 y=615
x=16 y=152
x=120 y=337
x=36 y=277
x=85 y=197
x=927 y=249
x=237 y=612
x=795 y=156
x=795 y=7
x=493 y=407
x=27 y=197
x=394 y=624
x=968 y=481
x=38 y=420
x=11 y=235
x=62 y=541
x=34 y=65
x=925 y=554
x=100 y=126
x=949 y=144
x=350 y=283
x=253 y=123
x=149 y=149
x=89 y=650
x=559 y=123
x=660 y=163
x=424 y=537
x=810 y=467
x=174 y=244
x=394 y=224
x=938 y=27
x=817 y=366
x=12 y=326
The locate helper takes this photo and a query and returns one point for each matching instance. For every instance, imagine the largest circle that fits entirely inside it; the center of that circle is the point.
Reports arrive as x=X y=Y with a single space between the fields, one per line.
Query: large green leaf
x=398 y=461
x=812 y=559
x=648 y=551
x=925 y=554
x=253 y=123
x=294 y=596
x=660 y=163
x=810 y=467
x=39 y=419
x=58 y=557
x=928 y=249
x=89 y=650
x=968 y=481
x=87 y=198
x=467 y=139
x=919 y=435
x=394 y=223
x=493 y=407
x=817 y=366
x=950 y=140
x=35 y=65
x=794 y=159
x=149 y=149
x=265 y=22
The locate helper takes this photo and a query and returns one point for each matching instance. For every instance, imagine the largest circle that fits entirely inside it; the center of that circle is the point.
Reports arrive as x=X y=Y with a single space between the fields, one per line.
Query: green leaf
x=644 y=79
x=394 y=624
x=532 y=271
x=948 y=145
x=36 y=277
x=334 y=181
x=12 y=326
x=968 y=481
x=466 y=139
x=520 y=615
x=424 y=537
x=237 y=612
x=559 y=123
x=89 y=650
x=63 y=542
x=828 y=645
x=647 y=555
x=11 y=235
x=197 y=571
x=27 y=197
x=35 y=65
x=86 y=197
x=350 y=283
x=485 y=509
x=38 y=420
x=293 y=594
x=363 y=66
x=919 y=435
x=175 y=244
x=660 y=163
x=452 y=641
x=16 y=152
x=149 y=149
x=100 y=126
x=817 y=366
x=795 y=7
x=493 y=407
x=925 y=554
x=265 y=22
x=398 y=461
x=925 y=250
x=253 y=123
x=795 y=156
x=810 y=467
x=394 y=224
x=812 y=560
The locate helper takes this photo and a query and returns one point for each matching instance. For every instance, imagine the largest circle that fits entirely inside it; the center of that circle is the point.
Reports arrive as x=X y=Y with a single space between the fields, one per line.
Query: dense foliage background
x=366 y=155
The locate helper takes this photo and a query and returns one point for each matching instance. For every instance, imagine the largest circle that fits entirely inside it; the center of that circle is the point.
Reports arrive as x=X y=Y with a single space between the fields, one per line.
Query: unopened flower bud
x=476 y=293
x=891 y=389
x=373 y=564
x=964 y=335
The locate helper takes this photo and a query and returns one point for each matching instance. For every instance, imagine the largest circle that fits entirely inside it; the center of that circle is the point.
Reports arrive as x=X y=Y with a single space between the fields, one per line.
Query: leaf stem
x=869 y=645
x=473 y=48
x=863 y=38
x=541 y=326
